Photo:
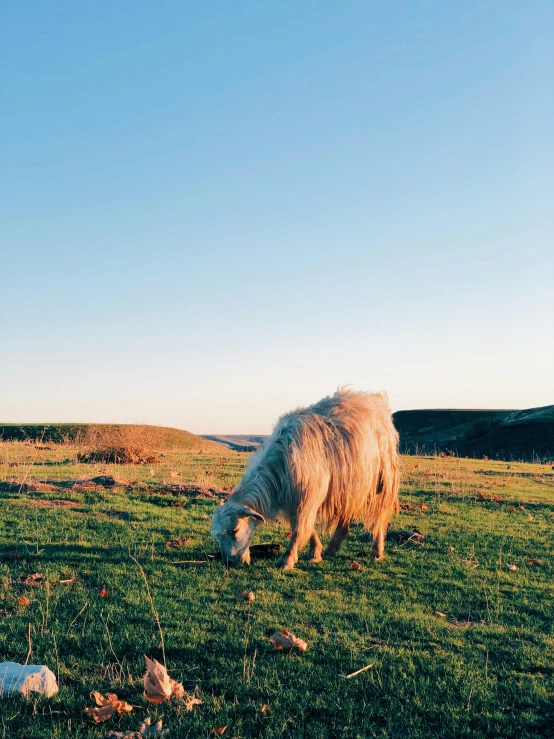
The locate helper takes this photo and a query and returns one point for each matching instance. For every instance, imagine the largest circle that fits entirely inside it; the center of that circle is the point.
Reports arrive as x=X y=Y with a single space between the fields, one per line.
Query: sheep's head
x=233 y=525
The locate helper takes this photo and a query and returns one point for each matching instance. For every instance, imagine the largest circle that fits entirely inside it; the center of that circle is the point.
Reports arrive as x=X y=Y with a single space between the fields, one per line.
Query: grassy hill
x=238 y=442
x=497 y=434
x=456 y=622
x=161 y=437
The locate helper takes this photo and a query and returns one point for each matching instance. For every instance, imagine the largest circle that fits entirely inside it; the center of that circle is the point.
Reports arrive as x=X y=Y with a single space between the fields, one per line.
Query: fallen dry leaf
x=529 y=516
x=483 y=496
x=511 y=509
x=23 y=601
x=159 y=687
x=512 y=568
x=219 y=731
x=190 y=701
x=104 y=593
x=285 y=640
x=424 y=506
x=106 y=707
x=68 y=581
x=35 y=579
x=355 y=565
x=451 y=550
x=440 y=614
x=177 y=542
x=247 y=595
x=535 y=562
x=497 y=499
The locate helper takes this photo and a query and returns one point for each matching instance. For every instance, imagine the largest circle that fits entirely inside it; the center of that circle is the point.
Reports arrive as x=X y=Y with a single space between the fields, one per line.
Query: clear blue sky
x=213 y=212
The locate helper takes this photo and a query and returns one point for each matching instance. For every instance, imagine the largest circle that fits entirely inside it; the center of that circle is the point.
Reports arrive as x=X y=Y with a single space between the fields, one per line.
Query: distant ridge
x=56 y=433
x=238 y=442
x=497 y=434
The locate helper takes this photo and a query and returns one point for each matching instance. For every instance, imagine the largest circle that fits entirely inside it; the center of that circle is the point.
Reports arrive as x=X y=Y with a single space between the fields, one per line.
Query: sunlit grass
x=484 y=670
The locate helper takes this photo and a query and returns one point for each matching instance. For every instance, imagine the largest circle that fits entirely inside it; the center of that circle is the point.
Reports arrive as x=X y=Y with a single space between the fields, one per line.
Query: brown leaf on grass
x=512 y=568
x=355 y=565
x=177 y=542
x=106 y=707
x=451 y=550
x=190 y=701
x=483 y=496
x=159 y=687
x=104 y=592
x=34 y=579
x=529 y=516
x=511 y=509
x=423 y=506
x=440 y=614
x=23 y=601
x=535 y=562
x=247 y=595
x=68 y=581
x=497 y=499
x=406 y=507
x=521 y=508
x=285 y=640
x=219 y=731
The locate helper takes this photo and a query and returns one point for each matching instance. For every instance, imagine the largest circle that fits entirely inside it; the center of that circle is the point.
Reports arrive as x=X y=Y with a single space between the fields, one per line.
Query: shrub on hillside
x=120 y=445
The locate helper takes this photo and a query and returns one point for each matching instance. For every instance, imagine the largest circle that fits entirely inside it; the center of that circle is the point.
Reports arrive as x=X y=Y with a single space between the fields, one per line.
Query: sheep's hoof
x=285 y=563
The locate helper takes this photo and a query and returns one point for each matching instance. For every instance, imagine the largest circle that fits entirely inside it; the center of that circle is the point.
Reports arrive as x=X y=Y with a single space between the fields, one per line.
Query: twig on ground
x=353 y=674
x=29 y=651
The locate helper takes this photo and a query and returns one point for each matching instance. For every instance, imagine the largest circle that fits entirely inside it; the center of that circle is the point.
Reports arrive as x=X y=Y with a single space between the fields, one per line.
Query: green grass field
x=485 y=670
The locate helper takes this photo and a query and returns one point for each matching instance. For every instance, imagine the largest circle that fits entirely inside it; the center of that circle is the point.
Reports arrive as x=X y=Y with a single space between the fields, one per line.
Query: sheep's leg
x=378 y=547
x=341 y=532
x=315 y=548
x=302 y=530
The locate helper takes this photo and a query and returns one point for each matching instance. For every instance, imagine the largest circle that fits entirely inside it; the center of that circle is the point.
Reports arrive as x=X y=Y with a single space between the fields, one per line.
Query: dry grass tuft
x=121 y=445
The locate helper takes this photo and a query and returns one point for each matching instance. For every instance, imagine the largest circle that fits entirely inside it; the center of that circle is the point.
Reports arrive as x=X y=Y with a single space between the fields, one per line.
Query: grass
x=486 y=670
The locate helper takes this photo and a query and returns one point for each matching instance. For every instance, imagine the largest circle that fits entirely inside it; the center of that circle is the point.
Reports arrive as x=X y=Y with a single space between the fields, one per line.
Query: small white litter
x=25 y=679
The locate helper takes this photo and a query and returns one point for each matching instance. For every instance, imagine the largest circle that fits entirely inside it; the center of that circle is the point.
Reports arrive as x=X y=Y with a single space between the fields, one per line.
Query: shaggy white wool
x=329 y=464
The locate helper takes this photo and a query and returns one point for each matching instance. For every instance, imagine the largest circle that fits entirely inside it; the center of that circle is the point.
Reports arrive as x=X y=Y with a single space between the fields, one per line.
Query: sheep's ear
x=248 y=512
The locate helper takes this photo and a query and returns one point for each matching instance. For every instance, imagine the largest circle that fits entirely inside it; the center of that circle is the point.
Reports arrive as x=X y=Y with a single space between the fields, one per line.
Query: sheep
x=329 y=464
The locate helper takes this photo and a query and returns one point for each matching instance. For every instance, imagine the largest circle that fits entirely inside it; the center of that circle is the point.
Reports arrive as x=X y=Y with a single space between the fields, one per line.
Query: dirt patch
x=192 y=490
x=27 y=487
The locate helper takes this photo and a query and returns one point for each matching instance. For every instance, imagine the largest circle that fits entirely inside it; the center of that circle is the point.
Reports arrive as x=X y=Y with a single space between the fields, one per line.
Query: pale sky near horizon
x=215 y=212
